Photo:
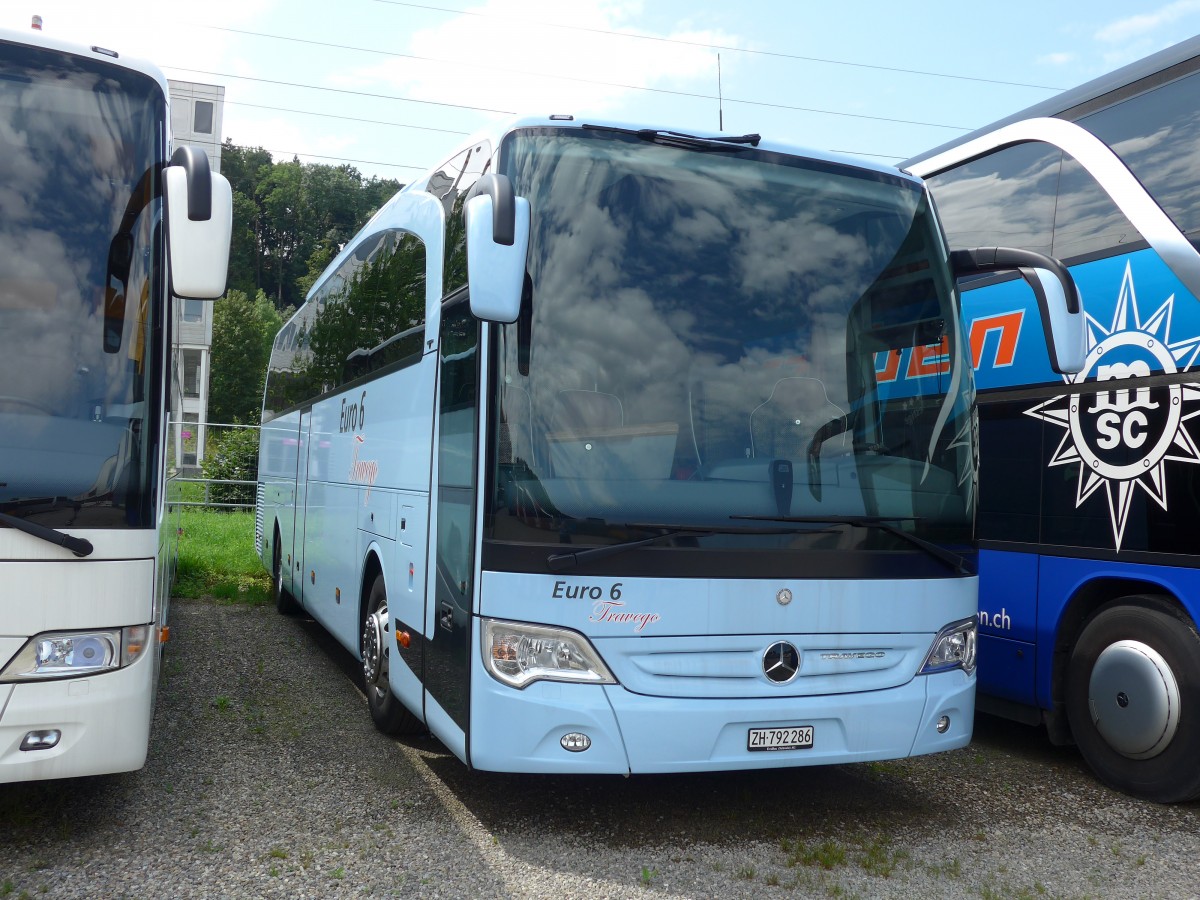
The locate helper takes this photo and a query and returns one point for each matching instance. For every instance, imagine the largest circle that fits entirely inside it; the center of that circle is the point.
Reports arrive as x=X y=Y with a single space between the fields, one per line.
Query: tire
x=284 y=601
x=1133 y=699
x=387 y=712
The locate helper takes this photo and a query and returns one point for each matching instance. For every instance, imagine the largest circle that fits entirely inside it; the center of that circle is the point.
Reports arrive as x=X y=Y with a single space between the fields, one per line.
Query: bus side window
x=1004 y=199
x=1086 y=220
x=1157 y=135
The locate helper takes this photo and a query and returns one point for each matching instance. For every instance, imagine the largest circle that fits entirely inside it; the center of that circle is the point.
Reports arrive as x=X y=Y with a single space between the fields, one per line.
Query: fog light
x=41 y=740
x=575 y=742
x=943 y=724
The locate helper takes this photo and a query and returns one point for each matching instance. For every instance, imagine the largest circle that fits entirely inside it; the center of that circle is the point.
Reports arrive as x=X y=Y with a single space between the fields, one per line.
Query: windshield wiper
x=78 y=546
x=686 y=141
x=559 y=562
x=883 y=523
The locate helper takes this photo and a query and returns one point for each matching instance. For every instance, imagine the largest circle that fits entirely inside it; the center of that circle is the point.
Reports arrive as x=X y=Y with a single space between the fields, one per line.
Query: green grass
x=217 y=558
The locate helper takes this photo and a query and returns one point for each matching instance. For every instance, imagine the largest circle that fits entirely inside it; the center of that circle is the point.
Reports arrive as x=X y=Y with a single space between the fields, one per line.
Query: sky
x=393 y=87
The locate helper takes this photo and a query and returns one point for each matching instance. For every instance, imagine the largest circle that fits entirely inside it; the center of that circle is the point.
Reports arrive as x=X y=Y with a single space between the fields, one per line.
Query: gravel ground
x=266 y=779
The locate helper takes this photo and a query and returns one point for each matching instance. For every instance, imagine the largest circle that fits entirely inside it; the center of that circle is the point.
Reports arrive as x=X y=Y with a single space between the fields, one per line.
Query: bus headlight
x=518 y=655
x=74 y=654
x=953 y=648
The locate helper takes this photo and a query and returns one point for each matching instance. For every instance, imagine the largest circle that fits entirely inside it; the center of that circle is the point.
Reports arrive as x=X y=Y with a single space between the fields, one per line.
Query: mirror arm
x=1005 y=259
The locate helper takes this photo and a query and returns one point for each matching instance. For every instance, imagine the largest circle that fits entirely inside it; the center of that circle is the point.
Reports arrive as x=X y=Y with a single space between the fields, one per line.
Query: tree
x=241 y=347
x=245 y=168
x=291 y=218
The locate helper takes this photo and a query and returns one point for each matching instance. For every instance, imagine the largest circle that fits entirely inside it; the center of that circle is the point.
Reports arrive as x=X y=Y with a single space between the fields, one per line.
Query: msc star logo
x=1122 y=439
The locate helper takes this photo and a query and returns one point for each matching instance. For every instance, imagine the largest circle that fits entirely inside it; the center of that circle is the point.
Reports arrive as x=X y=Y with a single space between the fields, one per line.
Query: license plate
x=798 y=737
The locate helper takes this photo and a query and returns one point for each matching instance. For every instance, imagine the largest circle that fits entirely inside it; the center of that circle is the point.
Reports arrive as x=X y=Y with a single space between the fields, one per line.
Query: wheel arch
x=372 y=568
x=1087 y=600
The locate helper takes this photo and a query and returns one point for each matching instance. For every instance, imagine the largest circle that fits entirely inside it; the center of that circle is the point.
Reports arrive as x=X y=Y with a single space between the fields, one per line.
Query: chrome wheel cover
x=374 y=649
x=1133 y=697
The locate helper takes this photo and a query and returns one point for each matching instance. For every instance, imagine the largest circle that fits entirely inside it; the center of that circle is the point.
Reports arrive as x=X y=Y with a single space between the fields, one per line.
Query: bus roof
x=496 y=133
x=34 y=38
x=1165 y=65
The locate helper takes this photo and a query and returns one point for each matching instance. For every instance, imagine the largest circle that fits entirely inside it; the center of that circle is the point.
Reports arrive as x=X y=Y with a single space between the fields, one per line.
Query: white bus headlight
x=518 y=654
x=953 y=648
x=72 y=654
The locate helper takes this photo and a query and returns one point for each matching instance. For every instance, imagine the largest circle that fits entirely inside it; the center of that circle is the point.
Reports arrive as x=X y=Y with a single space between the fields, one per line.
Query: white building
x=196 y=115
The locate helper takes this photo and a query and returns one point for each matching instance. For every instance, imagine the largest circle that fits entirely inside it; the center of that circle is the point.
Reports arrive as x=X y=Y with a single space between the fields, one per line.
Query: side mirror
x=1057 y=296
x=497 y=223
x=199 y=225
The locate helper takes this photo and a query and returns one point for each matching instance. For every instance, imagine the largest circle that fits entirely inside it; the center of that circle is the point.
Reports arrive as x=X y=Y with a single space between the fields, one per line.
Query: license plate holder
x=789 y=737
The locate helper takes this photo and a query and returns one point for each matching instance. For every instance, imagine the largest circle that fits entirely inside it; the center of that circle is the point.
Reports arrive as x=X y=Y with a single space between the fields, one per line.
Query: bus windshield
x=708 y=336
x=81 y=146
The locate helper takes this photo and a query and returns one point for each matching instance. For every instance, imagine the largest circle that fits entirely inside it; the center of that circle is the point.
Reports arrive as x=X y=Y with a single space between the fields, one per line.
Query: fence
x=212 y=464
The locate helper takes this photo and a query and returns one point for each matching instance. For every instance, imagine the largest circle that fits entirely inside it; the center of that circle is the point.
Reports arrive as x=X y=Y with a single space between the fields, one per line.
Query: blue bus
x=1089 y=512
x=579 y=446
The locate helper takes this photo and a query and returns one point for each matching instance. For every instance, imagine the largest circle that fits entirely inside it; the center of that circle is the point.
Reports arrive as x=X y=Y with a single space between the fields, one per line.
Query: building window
x=191 y=373
x=202 y=122
x=193 y=310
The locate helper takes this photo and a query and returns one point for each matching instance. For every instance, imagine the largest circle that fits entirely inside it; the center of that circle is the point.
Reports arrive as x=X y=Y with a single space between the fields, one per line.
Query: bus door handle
x=446 y=616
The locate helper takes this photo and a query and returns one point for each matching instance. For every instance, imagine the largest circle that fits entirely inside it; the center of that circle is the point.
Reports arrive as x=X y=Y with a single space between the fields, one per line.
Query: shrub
x=233 y=456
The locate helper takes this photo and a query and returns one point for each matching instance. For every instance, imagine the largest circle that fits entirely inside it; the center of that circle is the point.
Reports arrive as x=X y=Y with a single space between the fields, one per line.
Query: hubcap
x=373 y=646
x=1134 y=699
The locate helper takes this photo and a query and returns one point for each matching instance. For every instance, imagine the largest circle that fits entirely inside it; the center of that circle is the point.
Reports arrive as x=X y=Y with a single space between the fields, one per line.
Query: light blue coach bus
x=1089 y=487
x=579 y=446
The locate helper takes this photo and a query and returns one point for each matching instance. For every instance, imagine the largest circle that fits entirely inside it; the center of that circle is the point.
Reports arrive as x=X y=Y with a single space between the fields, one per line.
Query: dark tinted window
x=1157 y=134
x=1086 y=220
x=1031 y=196
x=1005 y=199
x=368 y=315
x=471 y=165
x=202 y=122
x=1010 y=472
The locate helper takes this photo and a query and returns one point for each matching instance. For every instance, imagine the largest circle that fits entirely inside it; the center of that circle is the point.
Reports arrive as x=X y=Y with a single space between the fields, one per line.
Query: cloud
x=1057 y=59
x=1140 y=25
x=505 y=55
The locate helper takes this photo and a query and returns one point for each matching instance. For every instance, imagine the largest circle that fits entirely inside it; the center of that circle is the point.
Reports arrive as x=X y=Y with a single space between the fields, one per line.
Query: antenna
x=720 y=100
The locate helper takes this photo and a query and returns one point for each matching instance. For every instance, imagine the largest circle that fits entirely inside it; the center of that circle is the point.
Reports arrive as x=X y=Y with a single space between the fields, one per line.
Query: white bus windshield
x=81 y=145
x=707 y=336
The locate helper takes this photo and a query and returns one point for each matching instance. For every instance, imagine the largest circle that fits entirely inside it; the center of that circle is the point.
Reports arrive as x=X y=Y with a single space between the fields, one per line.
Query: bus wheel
x=1133 y=699
x=387 y=712
x=284 y=601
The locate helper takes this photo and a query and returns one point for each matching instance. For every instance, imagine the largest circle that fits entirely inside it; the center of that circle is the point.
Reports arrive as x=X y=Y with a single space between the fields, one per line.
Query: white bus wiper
x=78 y=546
x=686 y=141
x=559 y=562
x=883 y=523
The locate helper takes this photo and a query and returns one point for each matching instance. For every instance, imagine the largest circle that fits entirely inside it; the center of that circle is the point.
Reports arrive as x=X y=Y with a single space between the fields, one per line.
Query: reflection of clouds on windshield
x=694 y=291
x=65 y=179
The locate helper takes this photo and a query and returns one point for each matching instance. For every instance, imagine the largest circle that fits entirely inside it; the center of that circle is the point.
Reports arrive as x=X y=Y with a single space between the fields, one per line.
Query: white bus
x=90 y=213
x=635 y=500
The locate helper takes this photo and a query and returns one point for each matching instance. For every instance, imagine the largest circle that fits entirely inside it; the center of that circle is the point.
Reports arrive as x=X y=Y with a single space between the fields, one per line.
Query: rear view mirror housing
x=497 y=224
x=199 y=211
x=1058 y=298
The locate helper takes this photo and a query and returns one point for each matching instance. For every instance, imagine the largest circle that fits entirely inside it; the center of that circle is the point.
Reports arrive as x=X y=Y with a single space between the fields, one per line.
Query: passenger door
x=452 y=586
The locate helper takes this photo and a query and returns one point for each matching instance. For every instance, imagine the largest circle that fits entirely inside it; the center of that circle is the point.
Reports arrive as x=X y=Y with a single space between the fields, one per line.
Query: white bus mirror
x=1057 y=296
x=199 y=225
x=497 y=223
